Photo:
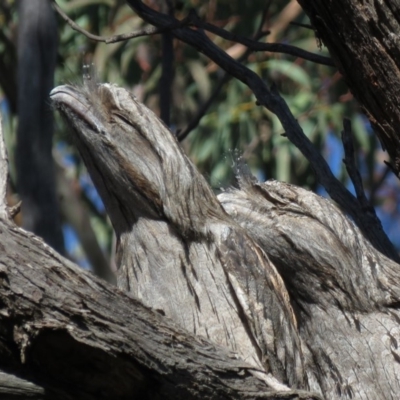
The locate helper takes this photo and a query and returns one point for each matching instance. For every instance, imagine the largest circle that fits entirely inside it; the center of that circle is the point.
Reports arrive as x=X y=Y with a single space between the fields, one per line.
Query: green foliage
x=233 y=121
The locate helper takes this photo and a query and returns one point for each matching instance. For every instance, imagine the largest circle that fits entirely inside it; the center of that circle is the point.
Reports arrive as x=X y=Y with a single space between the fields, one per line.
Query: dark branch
x=269 y=47
x=307 y=26
x=182 y=134
x=193 y=20
x=148 y=31
x=351 y=167
x=257 y=46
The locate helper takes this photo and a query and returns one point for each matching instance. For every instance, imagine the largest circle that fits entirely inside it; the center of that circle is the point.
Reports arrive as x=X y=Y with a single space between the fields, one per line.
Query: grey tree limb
x=80 y=338
x=14 y=388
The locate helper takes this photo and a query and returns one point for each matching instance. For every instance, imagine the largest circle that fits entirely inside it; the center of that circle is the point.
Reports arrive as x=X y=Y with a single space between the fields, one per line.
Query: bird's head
x=135 y=162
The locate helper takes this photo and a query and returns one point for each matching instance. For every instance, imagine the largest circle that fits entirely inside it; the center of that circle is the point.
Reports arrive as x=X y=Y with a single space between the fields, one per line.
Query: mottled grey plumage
x=322 y=315
x=178 y=251
x=345 y=293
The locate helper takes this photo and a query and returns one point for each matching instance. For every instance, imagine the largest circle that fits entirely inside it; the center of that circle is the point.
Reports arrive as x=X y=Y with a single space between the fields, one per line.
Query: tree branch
x=351 y=167
x=80 y=338
x=193 y=20
x=268 y=47
x=148 y=31
x=346 y=27
x=14 y=388
x=182 y=134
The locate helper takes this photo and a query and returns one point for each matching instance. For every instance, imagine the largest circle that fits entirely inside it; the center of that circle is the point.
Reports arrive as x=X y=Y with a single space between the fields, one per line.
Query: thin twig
x=351 y=167
x=257 y=46
x=148 y=31
x=225 y=78
x=307 y=26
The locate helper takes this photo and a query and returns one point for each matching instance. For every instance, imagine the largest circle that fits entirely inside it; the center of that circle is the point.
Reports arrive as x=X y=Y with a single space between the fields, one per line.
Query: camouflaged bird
x=273 y=272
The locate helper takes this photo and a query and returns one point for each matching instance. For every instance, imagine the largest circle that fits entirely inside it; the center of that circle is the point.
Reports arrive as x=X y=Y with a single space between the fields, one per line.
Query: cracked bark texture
x=363 y=38
x=69 y=335
x=65 y=334
x=278 y=275
x=345 y=294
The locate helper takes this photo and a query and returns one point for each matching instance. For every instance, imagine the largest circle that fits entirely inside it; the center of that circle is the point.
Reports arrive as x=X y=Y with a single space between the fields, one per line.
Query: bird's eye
x=123 y=119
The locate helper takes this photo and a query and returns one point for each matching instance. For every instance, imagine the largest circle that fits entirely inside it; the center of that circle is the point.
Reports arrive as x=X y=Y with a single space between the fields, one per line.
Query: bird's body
x=177 y=249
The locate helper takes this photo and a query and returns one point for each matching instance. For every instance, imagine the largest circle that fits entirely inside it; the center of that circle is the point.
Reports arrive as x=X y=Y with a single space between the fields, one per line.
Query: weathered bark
x=363 y=38
x=37 y=53
x=326 y=318
x=14 y=388
x=79 y=338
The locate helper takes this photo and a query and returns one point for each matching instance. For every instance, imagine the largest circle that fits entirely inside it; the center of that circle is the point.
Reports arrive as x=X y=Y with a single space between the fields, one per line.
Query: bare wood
x=14 y=388
x=80 y=338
